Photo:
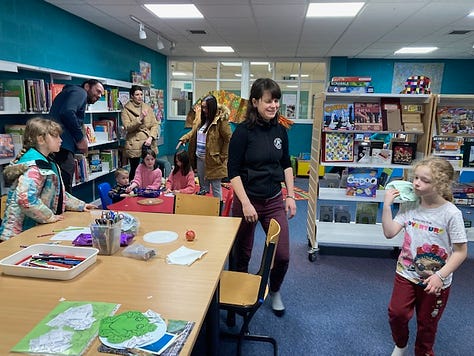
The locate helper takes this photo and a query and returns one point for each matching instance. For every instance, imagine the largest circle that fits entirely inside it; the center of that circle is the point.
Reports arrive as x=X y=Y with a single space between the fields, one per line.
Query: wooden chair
x=243 y=293
x=193 y=204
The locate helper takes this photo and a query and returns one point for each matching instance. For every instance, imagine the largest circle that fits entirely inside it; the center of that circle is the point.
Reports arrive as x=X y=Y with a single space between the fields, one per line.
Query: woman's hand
x=148 y=141
x=250 y=214
x=179 y=144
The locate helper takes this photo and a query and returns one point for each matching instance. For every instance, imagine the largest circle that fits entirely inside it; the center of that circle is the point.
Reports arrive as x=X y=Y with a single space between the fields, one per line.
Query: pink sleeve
x=169 y=181
x=138 y=176
x=190 y=184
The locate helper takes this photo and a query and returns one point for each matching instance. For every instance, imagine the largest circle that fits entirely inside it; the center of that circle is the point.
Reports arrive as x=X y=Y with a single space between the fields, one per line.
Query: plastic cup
x=106 y=238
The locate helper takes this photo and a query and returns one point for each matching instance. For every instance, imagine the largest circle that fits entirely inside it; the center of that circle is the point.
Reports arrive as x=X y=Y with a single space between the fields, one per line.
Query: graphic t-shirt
x=428 y=240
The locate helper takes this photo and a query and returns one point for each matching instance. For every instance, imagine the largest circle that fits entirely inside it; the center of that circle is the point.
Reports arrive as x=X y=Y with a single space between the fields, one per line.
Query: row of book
x=37 y=95
x=358 y=85
x=365 y=213
x=97 y=161
x=101 y=130
x=455 y=120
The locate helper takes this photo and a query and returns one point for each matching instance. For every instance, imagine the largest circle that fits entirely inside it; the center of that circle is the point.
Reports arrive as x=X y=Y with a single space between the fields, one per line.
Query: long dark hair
x=259 y=87
x=211 y=103
x=183 y=157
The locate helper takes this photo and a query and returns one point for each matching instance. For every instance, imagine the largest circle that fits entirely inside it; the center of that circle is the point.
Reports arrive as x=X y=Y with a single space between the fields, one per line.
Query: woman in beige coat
x=141 y=125
x=209 y=145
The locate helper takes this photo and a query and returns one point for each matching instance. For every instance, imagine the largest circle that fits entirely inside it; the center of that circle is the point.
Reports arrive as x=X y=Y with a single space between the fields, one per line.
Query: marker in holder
x=106 y=237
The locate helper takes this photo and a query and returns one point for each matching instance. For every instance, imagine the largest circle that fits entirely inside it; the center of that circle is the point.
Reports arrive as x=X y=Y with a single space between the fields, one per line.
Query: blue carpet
x=337 y=305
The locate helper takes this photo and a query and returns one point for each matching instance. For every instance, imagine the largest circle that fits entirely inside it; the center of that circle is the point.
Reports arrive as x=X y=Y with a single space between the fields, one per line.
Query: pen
x=44 y=235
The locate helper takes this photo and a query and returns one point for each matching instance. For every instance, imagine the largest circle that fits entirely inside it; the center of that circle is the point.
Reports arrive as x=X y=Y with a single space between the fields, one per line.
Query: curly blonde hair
x=442 y=174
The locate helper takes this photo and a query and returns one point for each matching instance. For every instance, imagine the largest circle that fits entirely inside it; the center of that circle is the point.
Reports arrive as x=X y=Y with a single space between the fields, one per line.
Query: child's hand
x=55 y=218
x=88 y=207
x=390 y=196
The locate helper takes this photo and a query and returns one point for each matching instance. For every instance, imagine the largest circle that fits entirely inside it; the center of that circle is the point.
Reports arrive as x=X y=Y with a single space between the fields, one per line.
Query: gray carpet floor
x=337 y=305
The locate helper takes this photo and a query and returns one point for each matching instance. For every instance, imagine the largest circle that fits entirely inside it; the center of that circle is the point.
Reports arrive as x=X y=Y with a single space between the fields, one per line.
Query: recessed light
x=334 y=9
x=174 y=11
x=415 y=50
x=225 y=49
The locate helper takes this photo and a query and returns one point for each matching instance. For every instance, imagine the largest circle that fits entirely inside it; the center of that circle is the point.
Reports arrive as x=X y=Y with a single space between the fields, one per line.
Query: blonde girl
x=37 y=194
x=435 y=245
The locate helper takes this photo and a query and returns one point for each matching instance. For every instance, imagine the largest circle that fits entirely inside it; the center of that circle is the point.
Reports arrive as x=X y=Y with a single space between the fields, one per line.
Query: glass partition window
x=300 y=82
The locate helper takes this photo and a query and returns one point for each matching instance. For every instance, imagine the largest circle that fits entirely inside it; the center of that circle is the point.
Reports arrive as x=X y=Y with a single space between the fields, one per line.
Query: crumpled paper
x=184 y=256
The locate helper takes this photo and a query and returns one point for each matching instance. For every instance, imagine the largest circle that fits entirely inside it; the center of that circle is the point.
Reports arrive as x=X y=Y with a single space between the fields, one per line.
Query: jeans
x=206 y=184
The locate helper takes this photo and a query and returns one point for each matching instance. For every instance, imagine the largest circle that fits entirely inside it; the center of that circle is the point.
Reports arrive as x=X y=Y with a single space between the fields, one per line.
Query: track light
x=141 y=32
x=159 y=43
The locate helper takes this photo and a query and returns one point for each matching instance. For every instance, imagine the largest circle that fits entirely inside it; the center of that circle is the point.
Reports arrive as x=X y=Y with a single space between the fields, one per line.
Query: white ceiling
x=278 y=29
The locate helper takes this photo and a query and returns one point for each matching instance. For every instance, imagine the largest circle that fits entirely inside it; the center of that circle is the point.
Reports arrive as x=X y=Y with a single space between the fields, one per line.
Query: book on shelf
x=367 y=116
x=338 y=147
x=342 y=214
x=456 y=160
x=362 y=151
x=350 y=84
x=391 y=114
x=7 y=148
x=455 y=120
x=338 y=117
x=362 y=182
x=109 y=159
x=17 y=132
x=468 y=152
x=106 y=125
x=366 y=213
x=403 y=152
x=326 y=213
x=13 y=95
x=90 y=133
x=123 y=97
x=55 y=88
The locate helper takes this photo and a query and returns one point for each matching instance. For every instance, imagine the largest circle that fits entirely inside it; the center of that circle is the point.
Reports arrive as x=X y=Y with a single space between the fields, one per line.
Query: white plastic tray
x=8 y=264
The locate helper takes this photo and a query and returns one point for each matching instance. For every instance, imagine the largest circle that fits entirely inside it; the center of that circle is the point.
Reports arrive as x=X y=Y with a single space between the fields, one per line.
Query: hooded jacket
x=37 y=193
x=217 y=143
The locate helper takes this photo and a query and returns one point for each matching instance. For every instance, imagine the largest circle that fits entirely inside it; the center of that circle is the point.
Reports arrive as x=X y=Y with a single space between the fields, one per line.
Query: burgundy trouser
x=242 y=250
x=406 y=298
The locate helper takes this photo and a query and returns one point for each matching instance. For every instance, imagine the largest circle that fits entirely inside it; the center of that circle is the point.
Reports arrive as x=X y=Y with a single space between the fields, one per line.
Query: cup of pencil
x=106 y=237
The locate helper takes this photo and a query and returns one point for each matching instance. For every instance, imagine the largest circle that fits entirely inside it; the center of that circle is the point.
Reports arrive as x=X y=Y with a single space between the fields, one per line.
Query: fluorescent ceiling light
x=259 y=63
x=334 y=9
x=471 y=14
x=231 y=64
x=292 y=86
x=297 y=75
x=179 y=74
x=415 y=50
x=174 y=11
x=240 y=75
x=217 y=49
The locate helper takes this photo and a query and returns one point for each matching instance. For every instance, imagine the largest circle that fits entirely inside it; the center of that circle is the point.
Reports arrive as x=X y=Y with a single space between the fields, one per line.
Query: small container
x=106 y=238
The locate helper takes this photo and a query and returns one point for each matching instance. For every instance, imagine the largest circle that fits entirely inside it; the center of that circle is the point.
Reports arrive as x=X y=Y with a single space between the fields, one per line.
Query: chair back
x=271 y=243
x=104 y=189
x=228 y=198
x=193 y=204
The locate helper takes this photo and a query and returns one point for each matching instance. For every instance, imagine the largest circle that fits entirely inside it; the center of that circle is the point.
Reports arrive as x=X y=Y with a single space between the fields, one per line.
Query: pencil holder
x=106 y=238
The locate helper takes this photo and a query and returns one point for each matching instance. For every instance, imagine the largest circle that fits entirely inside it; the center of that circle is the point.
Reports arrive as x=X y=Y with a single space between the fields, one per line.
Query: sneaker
x=202 y=192
x=399 y=351
x=277 y=304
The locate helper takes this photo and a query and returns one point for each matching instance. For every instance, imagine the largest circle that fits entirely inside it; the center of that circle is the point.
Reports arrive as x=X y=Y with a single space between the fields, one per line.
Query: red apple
x=190 y=235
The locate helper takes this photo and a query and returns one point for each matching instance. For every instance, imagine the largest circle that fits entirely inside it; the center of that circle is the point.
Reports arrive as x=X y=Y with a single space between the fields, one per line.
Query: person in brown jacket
x=141 y=125
x=209 y=145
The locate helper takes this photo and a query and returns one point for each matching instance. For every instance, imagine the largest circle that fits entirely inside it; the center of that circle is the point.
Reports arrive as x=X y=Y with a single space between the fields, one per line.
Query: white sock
x=399 y=351
x=277 y=303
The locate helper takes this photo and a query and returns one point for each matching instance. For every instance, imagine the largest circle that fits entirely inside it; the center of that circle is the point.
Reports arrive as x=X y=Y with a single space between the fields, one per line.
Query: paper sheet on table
x=184 y=256
x=74 y=231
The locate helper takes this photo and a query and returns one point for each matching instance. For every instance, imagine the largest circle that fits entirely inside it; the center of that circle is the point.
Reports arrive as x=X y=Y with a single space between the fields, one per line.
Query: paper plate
x=160 y=237
x=155 y=335
x=150 y=201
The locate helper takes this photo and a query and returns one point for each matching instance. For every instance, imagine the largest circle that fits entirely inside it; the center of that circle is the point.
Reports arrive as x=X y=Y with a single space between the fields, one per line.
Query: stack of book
x=351 y=85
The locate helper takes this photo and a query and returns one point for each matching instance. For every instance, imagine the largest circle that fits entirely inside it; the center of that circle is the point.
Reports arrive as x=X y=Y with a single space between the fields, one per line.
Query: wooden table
x=131 y=204
x=176 y=292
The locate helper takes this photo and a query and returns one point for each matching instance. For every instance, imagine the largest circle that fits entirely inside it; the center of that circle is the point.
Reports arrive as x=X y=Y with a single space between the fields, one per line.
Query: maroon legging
x=242 y=250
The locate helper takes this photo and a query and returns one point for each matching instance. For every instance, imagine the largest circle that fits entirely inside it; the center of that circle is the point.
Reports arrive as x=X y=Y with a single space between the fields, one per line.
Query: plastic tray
x=8 y=264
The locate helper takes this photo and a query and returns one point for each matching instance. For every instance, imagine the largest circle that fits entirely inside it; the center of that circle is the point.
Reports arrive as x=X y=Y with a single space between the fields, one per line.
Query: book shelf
x=27 y=91
x=352 y=233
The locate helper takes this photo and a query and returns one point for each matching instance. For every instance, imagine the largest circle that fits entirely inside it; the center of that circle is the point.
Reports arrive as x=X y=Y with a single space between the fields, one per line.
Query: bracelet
x=290 y=196
x=443 y=279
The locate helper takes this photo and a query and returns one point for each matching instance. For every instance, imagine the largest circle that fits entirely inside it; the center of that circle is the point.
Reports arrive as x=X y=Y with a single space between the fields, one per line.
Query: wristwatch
x=443 y=279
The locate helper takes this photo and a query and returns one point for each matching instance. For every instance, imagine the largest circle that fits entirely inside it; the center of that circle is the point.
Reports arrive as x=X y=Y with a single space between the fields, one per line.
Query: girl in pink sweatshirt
x=181 y=179
x=146 y=175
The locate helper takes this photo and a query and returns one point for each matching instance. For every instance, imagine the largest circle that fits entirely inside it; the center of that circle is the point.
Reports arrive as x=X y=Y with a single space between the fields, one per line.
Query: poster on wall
x=289 y=100
x=401 y=72
x=145 y=72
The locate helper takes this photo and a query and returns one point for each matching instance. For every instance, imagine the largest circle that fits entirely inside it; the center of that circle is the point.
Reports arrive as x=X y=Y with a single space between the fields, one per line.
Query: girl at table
x=181 y=179
x=37 y=194
x=147 y=175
